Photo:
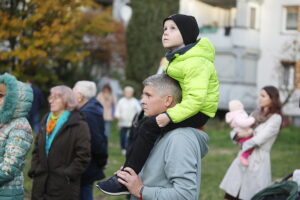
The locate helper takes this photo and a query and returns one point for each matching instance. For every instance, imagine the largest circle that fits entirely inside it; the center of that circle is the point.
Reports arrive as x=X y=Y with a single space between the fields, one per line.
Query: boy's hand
x=162 y=120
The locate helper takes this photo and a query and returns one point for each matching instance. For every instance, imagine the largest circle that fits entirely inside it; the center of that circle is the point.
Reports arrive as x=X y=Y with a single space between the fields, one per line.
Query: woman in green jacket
x=15 y=135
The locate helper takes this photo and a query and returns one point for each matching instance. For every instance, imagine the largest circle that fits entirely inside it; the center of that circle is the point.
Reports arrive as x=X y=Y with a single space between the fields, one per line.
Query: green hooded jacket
x=196 y=74
x=15 y=136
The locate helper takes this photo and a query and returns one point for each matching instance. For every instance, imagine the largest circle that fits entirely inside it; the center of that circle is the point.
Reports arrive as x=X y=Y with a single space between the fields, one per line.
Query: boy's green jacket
x=196 y=74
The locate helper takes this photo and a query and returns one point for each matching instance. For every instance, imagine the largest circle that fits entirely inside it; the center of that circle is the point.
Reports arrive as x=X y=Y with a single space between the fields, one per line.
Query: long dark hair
x=107 y=86
x=275 y=100
x=261 y=115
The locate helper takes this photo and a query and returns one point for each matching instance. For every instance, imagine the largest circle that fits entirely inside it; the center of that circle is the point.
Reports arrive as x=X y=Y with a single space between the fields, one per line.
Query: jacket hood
x=204 y=48
x=18 y=99
x=203 y=142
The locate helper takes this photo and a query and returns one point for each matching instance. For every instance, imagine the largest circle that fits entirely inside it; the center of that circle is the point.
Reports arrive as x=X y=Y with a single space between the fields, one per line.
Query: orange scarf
x=52 y=122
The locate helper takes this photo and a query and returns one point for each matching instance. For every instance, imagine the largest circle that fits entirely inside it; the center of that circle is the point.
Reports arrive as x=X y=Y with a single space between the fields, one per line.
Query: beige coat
x=108 y=101
x=249 y=180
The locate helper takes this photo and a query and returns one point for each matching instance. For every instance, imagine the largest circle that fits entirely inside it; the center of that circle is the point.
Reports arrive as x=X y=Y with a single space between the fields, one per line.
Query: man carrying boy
x=191 y=64
x=173 y=169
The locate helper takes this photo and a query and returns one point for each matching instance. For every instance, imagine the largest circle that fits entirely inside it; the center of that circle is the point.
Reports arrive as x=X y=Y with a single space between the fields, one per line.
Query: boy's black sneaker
x=112 y=187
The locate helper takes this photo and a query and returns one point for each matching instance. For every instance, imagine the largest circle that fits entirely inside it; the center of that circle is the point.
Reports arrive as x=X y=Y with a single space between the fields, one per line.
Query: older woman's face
x=264 y=99
x=2 y=94
x=57 y=105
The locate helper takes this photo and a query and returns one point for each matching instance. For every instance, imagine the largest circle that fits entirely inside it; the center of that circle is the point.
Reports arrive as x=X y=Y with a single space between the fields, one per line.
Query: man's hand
x=131 y=180
x=162 y=120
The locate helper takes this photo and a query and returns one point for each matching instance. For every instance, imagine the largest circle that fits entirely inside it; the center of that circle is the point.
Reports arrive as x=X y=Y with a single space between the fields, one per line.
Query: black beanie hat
x=187 y=26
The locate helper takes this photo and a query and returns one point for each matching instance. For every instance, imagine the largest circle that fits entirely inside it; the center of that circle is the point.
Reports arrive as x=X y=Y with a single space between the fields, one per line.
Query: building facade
x=257 y=44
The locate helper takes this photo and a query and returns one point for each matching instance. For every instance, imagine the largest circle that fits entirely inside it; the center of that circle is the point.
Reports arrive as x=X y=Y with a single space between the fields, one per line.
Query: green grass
x=285 y=158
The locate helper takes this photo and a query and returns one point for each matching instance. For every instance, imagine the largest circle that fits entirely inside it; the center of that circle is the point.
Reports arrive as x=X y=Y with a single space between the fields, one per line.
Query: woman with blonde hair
x=62 y=149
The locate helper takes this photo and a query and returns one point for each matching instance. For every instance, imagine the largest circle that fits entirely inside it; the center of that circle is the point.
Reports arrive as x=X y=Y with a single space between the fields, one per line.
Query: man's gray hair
x=164 y=85
x=88 y=89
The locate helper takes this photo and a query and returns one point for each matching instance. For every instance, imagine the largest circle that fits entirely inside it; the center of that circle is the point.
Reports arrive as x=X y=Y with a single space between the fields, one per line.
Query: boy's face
x=171 y=38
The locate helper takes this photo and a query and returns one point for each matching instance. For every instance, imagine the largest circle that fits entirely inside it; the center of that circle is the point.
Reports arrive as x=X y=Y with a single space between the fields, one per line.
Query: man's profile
x=173 y=169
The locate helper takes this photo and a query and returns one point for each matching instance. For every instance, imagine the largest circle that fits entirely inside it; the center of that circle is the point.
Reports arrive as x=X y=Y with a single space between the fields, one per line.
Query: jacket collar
x=74 y=118
x=171 y=55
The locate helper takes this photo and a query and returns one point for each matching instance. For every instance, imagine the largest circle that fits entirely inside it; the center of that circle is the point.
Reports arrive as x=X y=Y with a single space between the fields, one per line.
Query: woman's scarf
x=54 y=124
x=260 y=117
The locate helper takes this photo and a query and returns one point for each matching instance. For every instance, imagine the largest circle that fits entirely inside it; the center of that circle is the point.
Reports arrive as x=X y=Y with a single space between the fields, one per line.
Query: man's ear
x=168 y=101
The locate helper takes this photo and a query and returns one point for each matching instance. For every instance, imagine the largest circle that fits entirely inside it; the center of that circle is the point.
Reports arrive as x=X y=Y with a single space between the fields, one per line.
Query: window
x=297 y=75
x=288 y=79
x=291 y=18
x=252 y=17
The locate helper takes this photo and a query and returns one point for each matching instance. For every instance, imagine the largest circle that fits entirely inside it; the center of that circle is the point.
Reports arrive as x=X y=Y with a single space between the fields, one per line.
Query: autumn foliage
x=44 y=39
x=143 y=38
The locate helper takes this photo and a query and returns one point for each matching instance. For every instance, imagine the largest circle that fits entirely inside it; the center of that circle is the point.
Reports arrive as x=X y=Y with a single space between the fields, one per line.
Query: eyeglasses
x=54 y=97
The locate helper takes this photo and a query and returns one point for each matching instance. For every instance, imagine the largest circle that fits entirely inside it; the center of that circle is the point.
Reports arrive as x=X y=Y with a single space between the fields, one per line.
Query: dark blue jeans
x=86 y=192
x=124 y=137
x=107 y=125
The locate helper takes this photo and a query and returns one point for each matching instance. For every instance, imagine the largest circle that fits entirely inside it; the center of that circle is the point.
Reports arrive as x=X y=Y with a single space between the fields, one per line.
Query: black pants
x=147 y=132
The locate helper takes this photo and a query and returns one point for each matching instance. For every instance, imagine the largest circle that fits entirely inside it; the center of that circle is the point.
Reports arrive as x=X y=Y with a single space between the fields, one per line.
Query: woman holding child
x=242 y=182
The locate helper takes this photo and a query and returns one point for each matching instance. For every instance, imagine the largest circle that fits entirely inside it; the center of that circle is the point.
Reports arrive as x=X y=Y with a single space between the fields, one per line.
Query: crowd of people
x=160 y=135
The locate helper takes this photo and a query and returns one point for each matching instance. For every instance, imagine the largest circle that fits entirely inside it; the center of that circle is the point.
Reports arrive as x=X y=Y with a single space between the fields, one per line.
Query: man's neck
x=82 y=103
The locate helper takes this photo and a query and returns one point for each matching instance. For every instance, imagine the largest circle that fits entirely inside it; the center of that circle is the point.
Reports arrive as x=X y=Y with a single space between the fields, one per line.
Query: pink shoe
x=244 y=161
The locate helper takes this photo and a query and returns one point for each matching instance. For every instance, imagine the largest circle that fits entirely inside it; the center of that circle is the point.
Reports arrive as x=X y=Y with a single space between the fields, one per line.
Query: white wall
x=272 y=40
x=204 y=13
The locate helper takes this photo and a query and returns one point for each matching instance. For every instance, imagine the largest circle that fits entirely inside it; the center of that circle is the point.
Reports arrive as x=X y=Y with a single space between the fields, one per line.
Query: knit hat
x=187 y=26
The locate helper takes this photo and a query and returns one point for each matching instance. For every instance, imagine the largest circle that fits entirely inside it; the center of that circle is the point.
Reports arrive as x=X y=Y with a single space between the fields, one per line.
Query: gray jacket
x=173 y=168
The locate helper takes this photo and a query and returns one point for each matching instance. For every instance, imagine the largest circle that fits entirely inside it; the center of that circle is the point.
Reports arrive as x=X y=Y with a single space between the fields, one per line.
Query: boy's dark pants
x=144 y=134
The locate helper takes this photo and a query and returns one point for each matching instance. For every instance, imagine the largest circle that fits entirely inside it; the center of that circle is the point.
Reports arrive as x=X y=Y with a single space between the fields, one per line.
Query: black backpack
x=284 y=190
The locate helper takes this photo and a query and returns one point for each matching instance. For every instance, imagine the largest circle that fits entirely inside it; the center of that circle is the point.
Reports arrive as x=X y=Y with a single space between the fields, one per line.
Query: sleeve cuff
x=169 y=117
x=232 y=135
x=249 y=144
x=148 y=193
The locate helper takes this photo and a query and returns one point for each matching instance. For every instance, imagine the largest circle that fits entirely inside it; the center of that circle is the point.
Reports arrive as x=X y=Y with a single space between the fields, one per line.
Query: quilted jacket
x=15 y=137
x=196 y=74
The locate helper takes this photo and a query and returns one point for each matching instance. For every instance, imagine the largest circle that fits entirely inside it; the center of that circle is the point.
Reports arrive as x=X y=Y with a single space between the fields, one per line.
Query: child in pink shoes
x=241 y=123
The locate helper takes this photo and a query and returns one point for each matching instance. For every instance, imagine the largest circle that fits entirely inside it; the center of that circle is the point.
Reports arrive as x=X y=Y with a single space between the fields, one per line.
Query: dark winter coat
x=93 y=113
x=57 y=177
x=38 y=101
